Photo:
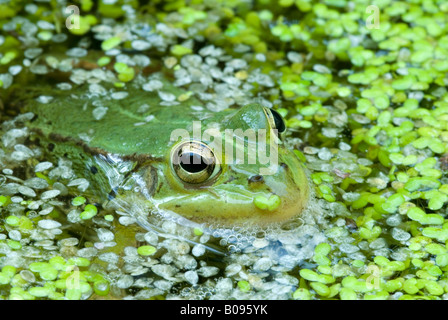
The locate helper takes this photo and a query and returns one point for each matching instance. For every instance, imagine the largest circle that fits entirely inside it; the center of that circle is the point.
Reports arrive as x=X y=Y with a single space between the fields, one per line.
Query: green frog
x=165 y=152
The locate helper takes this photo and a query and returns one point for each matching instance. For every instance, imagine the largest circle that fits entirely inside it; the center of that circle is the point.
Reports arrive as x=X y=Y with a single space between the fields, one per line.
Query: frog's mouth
x=232 y=209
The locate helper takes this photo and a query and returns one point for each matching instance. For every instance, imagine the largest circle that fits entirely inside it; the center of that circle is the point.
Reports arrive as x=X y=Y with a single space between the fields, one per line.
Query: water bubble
x=109 y=257
x=191 y=277
x=26 y=191
x=82 y=184
x=19 y=156
x=141 y=60
x=378 y=243
x=95 y=88
x=64 y=86
x=69 y=242
x=400 y=235
x=126 y=221
x=31 y=8
x=15 y=70
x=119 y=95
x=44 y=99
x=32 y=53
x=50 y=194
x=321 y=68
x=36 y=183
x=105 y=235
x=394 y=220
x=294 y=57
x=28 y=276
x=208 y=271
x=48 y=224
x=39 y=69
x=263 y=264
x=15 y=235
x=59 y=37
x=166 y=96
x=140 y=45
x=151 y=238
x=211 y=50
x=125 y=281
x=32 y=214
x=12 y=136
x=76 y=52
x=164 y=270
x=330 y=132
x=99 y=112
x=198 y=250
x=325 y=154
x=87 y=252
x=10 y=189
x=46 y=211
x=348 y=248
x=42 y=166
x=237 y=64
x=6 y=79
x=16 y=199
x=45 y=25
x=232 y=269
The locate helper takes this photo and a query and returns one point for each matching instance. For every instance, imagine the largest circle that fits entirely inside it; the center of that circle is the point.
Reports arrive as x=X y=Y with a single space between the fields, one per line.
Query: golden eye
x=193 y=162
x=275 y=120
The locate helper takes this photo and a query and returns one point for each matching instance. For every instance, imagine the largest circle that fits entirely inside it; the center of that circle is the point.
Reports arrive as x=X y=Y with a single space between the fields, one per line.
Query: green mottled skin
x=226 y=200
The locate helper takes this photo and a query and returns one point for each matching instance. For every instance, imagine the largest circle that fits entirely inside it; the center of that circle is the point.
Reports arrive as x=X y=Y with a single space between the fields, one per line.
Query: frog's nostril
x=256 y=178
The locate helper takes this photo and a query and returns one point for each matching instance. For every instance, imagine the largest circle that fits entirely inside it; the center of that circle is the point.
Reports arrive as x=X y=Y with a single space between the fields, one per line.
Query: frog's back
x=139 y=123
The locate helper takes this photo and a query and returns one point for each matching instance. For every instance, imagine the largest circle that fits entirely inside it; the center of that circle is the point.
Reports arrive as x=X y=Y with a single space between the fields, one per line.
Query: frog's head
x=236 y=172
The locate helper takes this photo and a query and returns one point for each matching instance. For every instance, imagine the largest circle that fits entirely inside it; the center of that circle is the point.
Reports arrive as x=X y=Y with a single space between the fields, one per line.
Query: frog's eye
x=193 y=162
x=275 y=120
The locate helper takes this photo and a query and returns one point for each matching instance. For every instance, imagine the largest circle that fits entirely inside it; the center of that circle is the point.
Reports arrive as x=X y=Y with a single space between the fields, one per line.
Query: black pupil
x=192 y=162
x=279 y=124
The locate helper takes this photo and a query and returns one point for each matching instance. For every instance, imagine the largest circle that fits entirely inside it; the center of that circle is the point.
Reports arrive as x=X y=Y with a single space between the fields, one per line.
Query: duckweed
x=320 y=288
x=13 y=221
x=419 y=215
x=302 y=294
x=78 y=261
x=146 y=250
x=244 y=285
x=89 y=212
x=309 y=275
x=58 y=263
x=4 y=279
x=101 y=287
x=348 y=294
x=3 y=201
x=78 y=201
x=39 y=292
x=271 y=203
x=110 y=43
x=198 y=232
x=125 y=73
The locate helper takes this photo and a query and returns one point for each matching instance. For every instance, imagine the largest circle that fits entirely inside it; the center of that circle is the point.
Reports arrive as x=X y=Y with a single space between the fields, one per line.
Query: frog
x=165 y=152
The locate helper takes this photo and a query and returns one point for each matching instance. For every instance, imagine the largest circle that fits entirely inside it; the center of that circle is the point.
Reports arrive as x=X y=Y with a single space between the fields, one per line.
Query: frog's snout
x=255 y=179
